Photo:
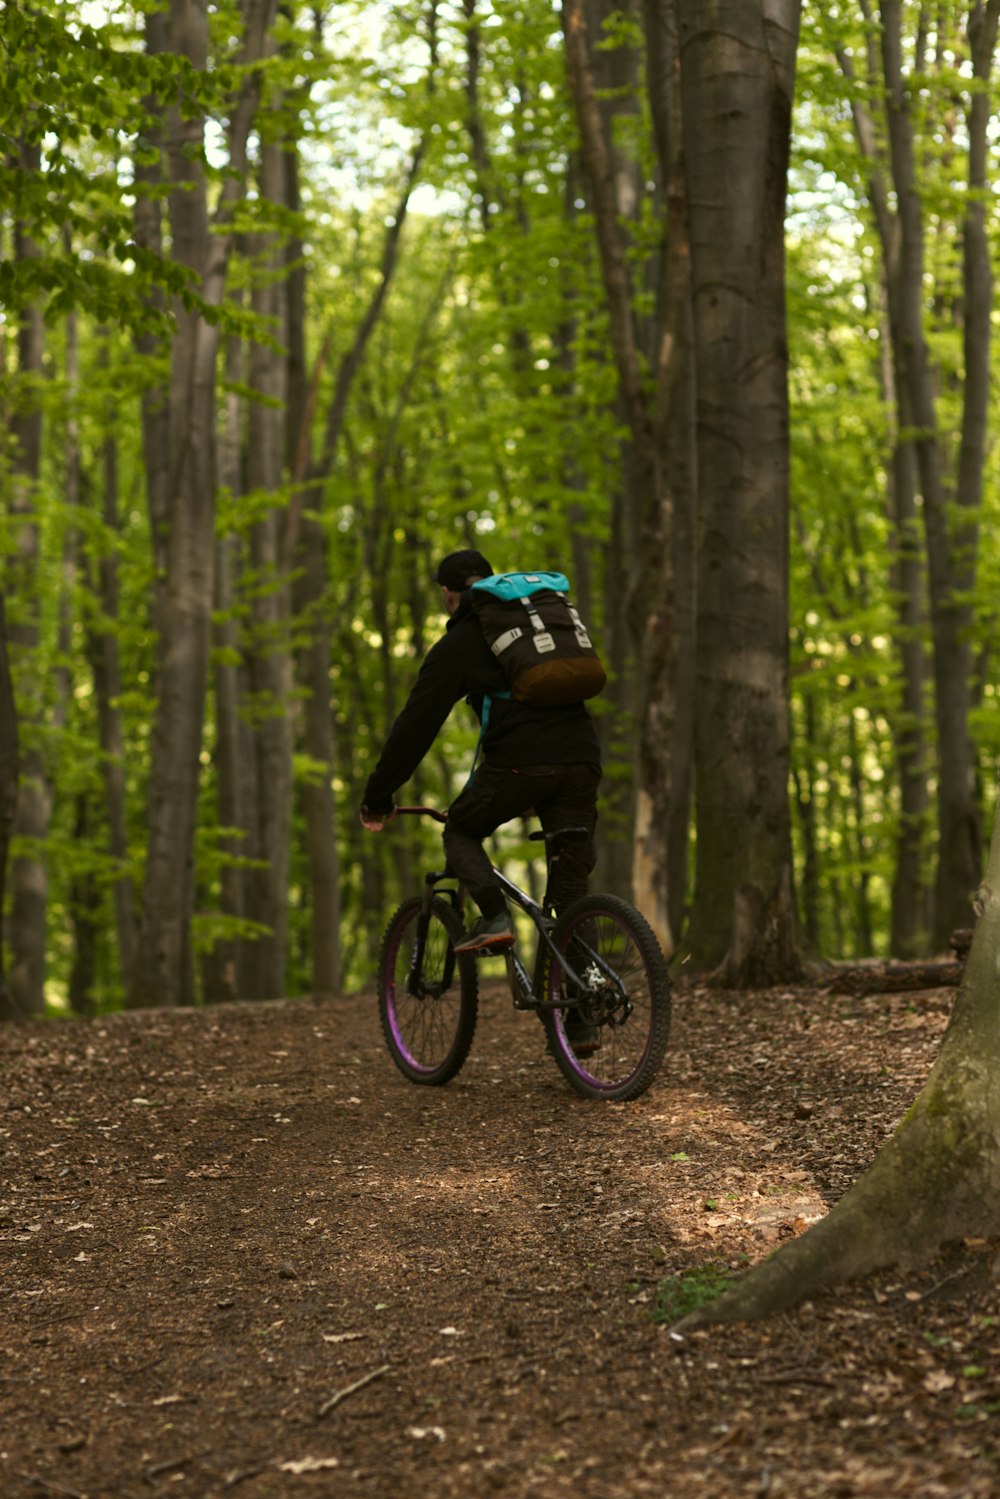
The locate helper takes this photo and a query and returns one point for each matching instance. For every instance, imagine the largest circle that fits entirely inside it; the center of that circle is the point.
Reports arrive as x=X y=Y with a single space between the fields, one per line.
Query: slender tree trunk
x=738 y=68
x=648 y=604
x=674 y=363
x=313 y=659
x=805 y=796
x=951 y=529
x=85 y=916
x=163 y=972
x=28 y=879
x=105 y=661
x=221 y=966
x=268 y=658
x=314 y=665
x=8 y=793
x=910 y=921
x=910 y=894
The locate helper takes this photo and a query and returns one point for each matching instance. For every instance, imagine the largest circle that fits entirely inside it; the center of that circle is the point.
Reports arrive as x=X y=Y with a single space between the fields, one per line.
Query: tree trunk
x=313 y=659
x=105 y=664
x=673 y=361
x=8 y=793
x=85 y=917
x=163 y=971
x=951 y=529
x=268 y=657
x=647 y=603
x=221 y=965
x=737 y=67
x=910 y=922
x=910 y=894
x=805 y=797
x=28 y=878
x=319 y=810
x=938 y=1176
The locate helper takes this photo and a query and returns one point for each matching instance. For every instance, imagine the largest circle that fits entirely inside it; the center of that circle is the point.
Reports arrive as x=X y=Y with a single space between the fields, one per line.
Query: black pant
x=562 y=796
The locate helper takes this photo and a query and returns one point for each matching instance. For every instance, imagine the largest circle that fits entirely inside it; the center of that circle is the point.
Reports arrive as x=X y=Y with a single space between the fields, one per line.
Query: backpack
x=538 y=638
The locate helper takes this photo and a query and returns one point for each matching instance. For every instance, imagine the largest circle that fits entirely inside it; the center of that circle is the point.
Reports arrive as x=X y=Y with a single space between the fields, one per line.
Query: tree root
x=937 y=1178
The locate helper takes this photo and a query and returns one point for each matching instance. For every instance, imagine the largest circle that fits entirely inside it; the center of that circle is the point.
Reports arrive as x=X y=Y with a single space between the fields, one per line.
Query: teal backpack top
x=521 y=585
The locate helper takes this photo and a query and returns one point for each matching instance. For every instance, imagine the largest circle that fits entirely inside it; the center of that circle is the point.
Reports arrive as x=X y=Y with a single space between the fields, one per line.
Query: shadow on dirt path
x=242 y=1254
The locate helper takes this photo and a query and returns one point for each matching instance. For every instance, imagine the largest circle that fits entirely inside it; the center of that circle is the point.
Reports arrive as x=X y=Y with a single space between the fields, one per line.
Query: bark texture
x=737 y=73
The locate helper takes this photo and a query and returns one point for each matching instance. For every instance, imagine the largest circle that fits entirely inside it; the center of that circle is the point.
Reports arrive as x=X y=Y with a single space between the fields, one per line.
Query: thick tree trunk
x=937 y=1178
x=737 y=67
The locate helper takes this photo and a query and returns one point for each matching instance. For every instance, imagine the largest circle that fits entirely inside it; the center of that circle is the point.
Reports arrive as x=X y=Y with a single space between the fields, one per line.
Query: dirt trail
x=242 y=1255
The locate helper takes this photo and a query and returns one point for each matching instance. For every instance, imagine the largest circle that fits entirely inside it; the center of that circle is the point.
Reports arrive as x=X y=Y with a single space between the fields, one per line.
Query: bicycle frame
x=522 y=989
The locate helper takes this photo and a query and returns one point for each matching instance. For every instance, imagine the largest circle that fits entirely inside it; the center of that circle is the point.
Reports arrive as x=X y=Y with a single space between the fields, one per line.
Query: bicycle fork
x=414 y=979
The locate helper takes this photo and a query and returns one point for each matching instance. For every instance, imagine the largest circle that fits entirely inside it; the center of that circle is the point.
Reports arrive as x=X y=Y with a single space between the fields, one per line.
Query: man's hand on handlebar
x=376 y=821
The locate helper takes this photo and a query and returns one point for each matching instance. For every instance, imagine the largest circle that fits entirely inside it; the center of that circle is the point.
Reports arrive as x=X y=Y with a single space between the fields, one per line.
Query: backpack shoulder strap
x=484 y=723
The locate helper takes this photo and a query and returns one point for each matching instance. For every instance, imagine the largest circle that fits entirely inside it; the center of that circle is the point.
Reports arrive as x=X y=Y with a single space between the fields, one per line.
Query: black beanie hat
x=458 y=567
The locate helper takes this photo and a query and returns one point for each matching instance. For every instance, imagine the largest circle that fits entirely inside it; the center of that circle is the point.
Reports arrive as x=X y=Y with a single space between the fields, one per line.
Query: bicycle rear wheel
x=427 y=994
x=625 y=1003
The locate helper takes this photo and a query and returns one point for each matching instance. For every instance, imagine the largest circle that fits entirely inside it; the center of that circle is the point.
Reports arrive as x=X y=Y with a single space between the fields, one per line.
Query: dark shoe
x=584 y=1039
x=488 y=934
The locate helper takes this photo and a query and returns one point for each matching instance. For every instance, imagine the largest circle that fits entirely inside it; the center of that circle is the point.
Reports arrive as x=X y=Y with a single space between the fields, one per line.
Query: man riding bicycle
x=541 y=759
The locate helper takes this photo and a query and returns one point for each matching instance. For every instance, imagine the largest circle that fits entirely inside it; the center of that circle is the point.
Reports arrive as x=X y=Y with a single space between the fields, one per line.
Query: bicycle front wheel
x=427 y=994
x=608 y=1037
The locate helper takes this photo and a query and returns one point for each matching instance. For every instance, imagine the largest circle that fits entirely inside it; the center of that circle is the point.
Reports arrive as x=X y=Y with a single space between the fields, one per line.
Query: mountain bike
x=599 y=972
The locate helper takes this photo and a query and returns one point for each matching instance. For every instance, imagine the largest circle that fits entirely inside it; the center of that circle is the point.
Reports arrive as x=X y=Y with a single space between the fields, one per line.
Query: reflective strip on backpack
x=582 y=638
x=541 y=640
x=505 y=641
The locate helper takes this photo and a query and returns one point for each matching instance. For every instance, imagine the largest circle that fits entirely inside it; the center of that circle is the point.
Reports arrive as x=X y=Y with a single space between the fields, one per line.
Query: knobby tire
x=631 y=1046
x=428 y=1037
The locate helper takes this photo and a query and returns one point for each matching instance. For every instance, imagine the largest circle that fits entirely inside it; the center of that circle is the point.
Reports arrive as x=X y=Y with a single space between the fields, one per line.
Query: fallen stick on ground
x=359 y=1384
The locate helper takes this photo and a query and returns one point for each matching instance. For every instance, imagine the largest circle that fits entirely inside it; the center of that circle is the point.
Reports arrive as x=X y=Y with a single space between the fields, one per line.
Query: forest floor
x=241 y=1254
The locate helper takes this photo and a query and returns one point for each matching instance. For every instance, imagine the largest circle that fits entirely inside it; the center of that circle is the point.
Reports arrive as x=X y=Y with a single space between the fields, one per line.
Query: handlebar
x=422 y=812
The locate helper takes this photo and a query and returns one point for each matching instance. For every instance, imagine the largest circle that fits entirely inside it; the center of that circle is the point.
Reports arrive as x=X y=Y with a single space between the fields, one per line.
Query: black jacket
x=458 y=665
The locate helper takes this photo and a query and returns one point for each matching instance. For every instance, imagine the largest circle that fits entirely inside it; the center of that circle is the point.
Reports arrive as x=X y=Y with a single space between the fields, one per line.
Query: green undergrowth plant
x=687 y=1290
